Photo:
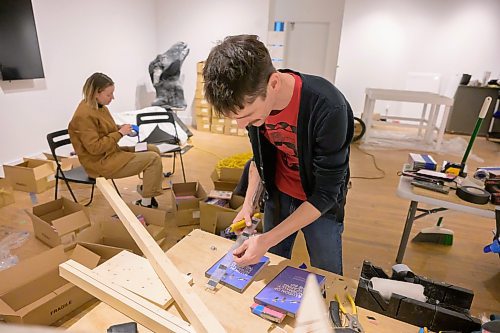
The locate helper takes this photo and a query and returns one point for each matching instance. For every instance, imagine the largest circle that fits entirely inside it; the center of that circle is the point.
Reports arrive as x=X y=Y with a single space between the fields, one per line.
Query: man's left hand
x=250 y=251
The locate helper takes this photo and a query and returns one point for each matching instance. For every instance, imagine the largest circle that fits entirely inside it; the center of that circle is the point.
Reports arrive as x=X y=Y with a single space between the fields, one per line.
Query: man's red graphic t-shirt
x=281 y=131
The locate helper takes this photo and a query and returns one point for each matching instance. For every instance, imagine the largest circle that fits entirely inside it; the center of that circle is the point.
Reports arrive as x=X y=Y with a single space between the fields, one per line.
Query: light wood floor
x=374 y=218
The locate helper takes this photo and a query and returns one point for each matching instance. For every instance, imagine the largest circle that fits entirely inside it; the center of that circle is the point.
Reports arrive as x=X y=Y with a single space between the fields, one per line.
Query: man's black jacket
x=324 y=132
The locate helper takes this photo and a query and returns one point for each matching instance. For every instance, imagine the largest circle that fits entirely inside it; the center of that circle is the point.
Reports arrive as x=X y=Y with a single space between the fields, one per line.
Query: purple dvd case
x=238 y=278
x=285 y=291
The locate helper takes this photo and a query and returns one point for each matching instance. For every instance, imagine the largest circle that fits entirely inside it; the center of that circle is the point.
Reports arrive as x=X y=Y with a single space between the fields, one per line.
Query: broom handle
x=440 y=220
x=482 y=114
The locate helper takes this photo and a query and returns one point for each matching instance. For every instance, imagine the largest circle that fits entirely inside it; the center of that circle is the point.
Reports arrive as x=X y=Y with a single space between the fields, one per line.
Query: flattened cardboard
x=6 y=193
x=228 y=179
x=59 y=221
x=32 y=175
x=208 y=213
x=32 y=292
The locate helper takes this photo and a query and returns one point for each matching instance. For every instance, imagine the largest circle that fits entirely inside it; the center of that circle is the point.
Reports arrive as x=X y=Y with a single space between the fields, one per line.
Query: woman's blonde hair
x=96 y=83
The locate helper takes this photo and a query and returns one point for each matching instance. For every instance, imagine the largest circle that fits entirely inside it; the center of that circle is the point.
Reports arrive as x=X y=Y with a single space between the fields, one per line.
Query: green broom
x=436 y=234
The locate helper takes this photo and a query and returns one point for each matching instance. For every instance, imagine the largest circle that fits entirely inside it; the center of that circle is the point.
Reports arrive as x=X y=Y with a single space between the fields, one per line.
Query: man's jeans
x=323 y=236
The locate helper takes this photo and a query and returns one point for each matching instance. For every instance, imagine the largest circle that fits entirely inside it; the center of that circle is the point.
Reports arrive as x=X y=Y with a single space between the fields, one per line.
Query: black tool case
x=447 y=307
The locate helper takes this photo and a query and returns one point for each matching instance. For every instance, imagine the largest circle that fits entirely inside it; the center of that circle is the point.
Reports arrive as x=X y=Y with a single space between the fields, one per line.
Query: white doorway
x=306 y=47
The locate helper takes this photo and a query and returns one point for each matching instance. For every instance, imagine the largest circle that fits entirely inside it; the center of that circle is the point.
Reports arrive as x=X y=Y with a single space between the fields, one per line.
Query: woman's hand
x=125 y=129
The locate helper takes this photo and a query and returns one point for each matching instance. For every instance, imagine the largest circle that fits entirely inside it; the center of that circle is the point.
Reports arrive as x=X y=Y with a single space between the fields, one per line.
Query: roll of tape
x=481 y=174
x=473 y=194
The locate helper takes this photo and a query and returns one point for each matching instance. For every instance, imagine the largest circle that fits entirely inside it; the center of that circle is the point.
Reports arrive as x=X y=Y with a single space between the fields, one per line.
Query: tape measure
x=473 y=194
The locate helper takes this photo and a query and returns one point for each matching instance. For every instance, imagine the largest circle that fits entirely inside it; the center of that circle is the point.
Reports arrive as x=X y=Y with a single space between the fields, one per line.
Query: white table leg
x=434 y=122
x=442 y=127
x=429 y=127
x=422 y=119
x=367 y=116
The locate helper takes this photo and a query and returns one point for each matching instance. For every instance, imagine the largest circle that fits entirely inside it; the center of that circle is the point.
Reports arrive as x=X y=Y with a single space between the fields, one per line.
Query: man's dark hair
x=236 y=72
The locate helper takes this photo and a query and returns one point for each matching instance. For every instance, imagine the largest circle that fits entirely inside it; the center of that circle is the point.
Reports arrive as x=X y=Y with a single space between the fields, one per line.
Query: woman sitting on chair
x=95 y=136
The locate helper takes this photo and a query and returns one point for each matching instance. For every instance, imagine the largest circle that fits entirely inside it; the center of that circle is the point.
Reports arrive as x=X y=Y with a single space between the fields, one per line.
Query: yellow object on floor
x=236 y=161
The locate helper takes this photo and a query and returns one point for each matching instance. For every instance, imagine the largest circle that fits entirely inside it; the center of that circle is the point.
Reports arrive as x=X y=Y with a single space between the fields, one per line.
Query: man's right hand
x=245 y=213
x=125 y=129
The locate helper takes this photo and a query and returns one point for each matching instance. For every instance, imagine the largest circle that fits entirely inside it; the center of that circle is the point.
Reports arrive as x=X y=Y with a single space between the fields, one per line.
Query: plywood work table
x=194 y=254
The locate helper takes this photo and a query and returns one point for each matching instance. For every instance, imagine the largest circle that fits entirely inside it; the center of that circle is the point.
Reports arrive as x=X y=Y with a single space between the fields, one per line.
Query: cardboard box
x=31 y=175
x=226 y=179
x=199 y=66
x=201 y=102
x=67 y=162
x=208 y=214
x=200 y=82
x=242 y=132
x=218 y=121
x=6 y=193
x=199 y=93
x=230 y=126
x=203 y=123
x=203 y=127
x=216 y=128
x=217 y=115
x=186 y=198
x=203 y=111
x=32 y=292
x=231 y=130
x=59 y=221
x=109 y=236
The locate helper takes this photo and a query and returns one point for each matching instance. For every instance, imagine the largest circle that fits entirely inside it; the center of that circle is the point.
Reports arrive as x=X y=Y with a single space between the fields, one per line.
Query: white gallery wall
x=76 y=38
x=201 y=24
x=383 y=41
x=380 y=43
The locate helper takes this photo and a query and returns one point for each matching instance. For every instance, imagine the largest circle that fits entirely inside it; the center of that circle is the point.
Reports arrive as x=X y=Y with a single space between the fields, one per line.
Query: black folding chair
x=75 y=175
x=158 y=136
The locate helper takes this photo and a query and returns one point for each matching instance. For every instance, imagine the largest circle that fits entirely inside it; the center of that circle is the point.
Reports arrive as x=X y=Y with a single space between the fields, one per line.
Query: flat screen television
x=19 y=51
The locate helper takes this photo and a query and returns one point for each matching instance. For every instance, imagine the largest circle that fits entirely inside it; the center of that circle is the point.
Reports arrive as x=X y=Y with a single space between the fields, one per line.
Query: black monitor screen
x=19 y=51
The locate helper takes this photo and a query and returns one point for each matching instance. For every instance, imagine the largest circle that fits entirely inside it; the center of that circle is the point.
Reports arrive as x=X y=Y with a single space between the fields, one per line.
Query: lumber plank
x=190 y=304
x=130 y=304
x=135 y=274
x=312 y=315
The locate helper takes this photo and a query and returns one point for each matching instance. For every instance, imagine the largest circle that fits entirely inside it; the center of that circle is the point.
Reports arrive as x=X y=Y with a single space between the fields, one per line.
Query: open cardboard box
x=32 y=292
x=186 y=198
x=108 y=237
x=59 y=221
x=32 y=175
x=67 y=162
x=6 y=193
x=226 y=179
x=208 y=213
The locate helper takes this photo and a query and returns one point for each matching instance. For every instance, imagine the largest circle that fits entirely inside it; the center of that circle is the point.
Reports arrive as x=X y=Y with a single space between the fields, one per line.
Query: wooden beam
x=312 y=315
x=135 y=274
x=130 y=304
x=190 y=304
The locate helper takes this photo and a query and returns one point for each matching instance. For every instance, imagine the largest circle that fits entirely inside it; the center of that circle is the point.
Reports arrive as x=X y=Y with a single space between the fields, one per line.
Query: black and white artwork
x=165 y=71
